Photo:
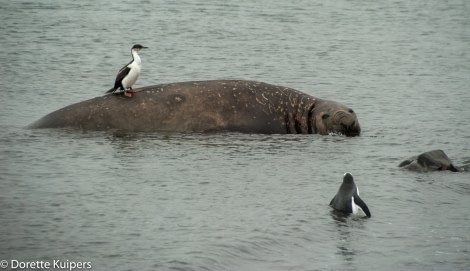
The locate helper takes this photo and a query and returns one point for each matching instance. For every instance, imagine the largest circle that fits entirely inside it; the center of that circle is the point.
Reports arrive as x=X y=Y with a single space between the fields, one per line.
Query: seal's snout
x=350 y=127
x=341 y=121
x=353 y=130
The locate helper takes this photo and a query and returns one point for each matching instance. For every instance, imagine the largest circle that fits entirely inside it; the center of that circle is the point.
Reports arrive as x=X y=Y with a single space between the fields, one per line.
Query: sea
x=85 y=200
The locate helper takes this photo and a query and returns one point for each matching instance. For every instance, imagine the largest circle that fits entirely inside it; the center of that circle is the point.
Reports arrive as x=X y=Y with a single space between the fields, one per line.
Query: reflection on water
x=348 y=229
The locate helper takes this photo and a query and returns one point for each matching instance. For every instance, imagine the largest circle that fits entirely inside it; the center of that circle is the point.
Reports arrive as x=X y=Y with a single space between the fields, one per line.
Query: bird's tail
x=111 y=90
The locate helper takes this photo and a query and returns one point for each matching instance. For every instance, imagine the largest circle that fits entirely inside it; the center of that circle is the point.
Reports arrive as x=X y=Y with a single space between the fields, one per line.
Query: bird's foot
x=128 y=94
x=134 y=90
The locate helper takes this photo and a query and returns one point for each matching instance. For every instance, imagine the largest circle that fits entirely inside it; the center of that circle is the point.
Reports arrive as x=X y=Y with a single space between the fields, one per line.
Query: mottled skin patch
x=219 y=105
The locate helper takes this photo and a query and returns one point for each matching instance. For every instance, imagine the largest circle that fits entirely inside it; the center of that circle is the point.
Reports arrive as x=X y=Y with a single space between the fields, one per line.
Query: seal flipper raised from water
x=430 y=161
x=347 y=198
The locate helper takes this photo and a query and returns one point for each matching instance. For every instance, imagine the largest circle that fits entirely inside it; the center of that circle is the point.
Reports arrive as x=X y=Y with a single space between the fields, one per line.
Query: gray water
x=237 y=201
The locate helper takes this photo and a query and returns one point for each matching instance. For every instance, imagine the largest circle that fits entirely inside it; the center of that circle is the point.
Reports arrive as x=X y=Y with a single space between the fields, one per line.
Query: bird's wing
x=332 y=200
x=362 y=204
x=123 y=72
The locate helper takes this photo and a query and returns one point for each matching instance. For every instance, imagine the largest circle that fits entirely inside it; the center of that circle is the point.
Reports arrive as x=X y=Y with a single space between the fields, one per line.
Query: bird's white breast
x=133 y=74
x=355 y=207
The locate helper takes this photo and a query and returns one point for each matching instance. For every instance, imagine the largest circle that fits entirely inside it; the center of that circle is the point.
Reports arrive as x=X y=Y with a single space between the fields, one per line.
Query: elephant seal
x=204 y=106
x=430 y=161
x=347 y=199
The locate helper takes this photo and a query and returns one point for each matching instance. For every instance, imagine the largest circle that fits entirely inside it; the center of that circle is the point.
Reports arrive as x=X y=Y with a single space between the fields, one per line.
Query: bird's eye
x=325 y=116
x=351 y=111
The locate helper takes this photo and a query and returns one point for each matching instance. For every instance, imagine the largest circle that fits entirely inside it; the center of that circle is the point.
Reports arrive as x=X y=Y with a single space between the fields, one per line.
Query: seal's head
x=332 y=117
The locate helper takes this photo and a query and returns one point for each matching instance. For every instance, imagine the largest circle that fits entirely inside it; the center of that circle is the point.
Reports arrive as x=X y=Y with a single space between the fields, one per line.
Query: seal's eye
x=351 y=111
x=325 y=116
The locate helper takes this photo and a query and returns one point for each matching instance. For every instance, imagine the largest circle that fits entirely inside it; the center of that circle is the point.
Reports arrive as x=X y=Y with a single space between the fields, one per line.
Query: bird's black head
x=138 y=47
x=348 y=178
